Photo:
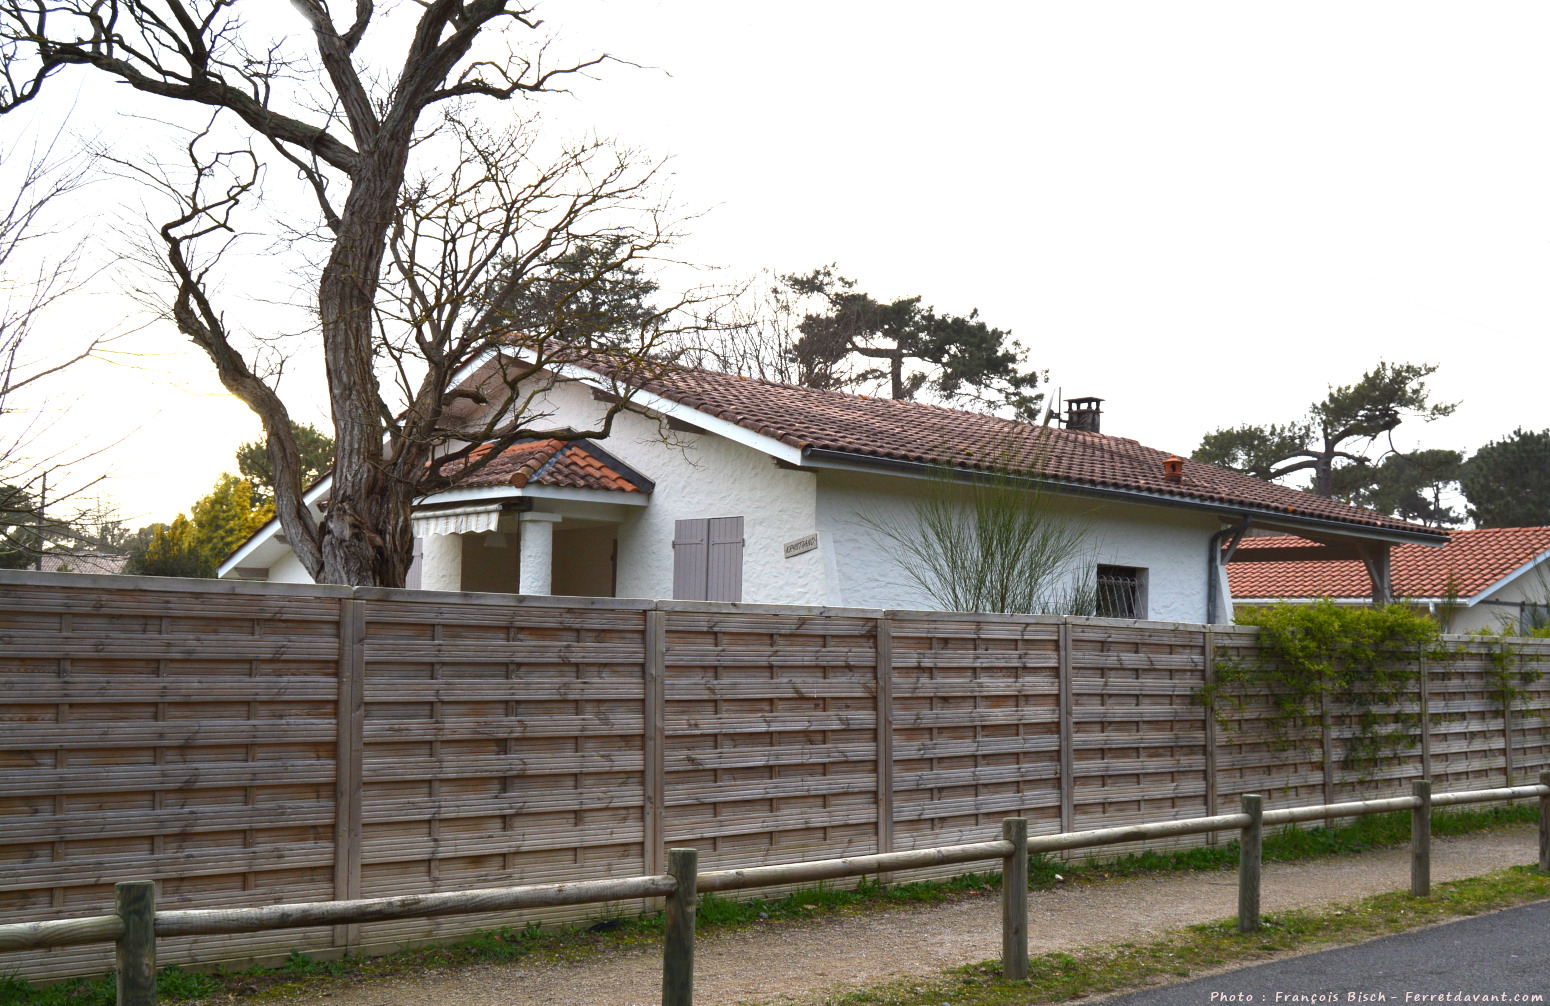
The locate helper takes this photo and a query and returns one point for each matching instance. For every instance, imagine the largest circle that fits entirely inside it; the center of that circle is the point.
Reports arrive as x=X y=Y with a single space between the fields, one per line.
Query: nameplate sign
x=806 y=543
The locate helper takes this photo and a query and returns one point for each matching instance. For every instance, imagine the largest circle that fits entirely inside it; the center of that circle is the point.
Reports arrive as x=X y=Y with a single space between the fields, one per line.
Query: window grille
x=1120 y=592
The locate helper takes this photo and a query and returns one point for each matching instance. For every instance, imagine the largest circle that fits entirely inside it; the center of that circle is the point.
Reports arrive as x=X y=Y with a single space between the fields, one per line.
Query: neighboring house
x=83 y=562
x=723 y=488
x=1481 y=579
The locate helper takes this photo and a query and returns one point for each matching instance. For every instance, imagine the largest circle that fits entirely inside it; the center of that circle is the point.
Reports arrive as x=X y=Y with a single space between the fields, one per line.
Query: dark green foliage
x=1507 y=482
x=19 y=527
x=1339 y=432
x=314 y=447
x=857 y=341
x=590 y=295
x=1409 y=486
x=1360 y=661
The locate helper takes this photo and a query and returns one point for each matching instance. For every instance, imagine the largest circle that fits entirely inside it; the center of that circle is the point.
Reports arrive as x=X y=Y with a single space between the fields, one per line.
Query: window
x=708 y=559
x=1121 y=592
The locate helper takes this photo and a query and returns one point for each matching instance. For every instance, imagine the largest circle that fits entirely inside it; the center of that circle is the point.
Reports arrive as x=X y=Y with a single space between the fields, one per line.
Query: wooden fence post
x=1014 y=900
x=1544 y=825
x=1067 y=775
x=678 y=945
x=1426 y=721
x=136 y=950
x=1421 y=838
x=1250 y=844
x=1507 y=732
x=350 y=725
x=653 y=742
x=884 y=645
x=1210 y=742
x=1327 y=728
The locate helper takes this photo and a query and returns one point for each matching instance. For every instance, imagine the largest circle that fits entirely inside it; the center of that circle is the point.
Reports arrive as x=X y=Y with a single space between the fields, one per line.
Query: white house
x=1484 y=578
x=719 y=487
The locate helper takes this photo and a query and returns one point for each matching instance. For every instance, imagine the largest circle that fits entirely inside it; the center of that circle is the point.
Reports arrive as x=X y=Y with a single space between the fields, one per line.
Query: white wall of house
x=702 y=475
x=289 y=570
x=1529 y=587
x=1170 y=544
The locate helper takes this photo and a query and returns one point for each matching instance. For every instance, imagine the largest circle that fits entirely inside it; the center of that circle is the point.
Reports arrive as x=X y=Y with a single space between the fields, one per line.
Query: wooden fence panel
x=976 y=727
x=1531 y=713
x=1139 y=728
x=1468 y=728
x=1287 y=770
x=502 y=746
x=174 y=736
x=770 y=742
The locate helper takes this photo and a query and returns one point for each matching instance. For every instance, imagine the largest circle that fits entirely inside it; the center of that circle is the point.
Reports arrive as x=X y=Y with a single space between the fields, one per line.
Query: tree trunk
x=366 y=538
x=896 y=371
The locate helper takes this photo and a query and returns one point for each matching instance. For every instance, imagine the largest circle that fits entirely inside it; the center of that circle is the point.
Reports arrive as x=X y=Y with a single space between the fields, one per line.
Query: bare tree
x=432 y=227
x=46 y=502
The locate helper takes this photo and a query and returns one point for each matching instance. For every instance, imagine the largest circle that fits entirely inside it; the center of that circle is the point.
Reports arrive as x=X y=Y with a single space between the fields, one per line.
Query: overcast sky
x=1203 y=212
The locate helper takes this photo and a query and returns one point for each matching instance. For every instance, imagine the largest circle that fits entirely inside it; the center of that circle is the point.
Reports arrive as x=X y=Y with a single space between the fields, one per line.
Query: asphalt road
x=1503 y=957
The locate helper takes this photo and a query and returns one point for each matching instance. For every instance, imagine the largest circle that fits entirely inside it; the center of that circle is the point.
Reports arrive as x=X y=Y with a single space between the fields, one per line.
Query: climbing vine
x=1507 y=670
x=1316 y=658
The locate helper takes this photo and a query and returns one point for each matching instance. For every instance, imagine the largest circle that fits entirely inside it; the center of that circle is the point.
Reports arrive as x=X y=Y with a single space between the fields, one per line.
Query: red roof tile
x=913 y=431
x=1472 y=561
x=575 y=464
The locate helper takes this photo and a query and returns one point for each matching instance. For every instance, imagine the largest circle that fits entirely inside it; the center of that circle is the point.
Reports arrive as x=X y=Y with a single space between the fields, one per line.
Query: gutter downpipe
x=1215 y=563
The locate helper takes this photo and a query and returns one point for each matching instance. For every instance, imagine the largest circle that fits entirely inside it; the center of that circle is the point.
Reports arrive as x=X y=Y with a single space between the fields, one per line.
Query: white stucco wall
x=1529 y=587
x=288 y=569
x=703 y=476
x=1171 y=544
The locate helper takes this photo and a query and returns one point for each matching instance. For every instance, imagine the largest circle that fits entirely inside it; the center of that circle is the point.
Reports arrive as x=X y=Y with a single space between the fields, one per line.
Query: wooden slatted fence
x=254 y=744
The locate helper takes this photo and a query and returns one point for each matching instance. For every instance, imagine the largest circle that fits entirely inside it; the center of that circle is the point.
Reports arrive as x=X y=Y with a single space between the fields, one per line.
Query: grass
x=719 y=913
x=1060 y=977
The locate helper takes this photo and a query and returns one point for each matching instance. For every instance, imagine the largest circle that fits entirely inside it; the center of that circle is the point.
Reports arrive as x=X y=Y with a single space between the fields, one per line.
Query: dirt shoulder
x=784 y=962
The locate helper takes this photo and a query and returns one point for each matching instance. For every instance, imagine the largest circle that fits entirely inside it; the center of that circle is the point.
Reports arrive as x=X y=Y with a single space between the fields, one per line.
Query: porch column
x=535 y=574
x=441 y=562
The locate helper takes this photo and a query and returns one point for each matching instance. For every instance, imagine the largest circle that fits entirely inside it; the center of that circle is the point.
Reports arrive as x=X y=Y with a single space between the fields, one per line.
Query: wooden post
x=1250 y=845
x=1426 y=721
x=1014 y=900
x=1327 y=728
x=1421 y=839
x=884 y=644
x=678 y=945
x=136 y=950
x=1507 y=730
x=653 y=741
x=350 y=725
x=1067 y=797
x=1210 y=741
x=1544 y=825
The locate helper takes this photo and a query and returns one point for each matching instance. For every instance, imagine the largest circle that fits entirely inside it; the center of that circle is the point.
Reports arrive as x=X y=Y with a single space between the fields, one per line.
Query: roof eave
x=818 y=457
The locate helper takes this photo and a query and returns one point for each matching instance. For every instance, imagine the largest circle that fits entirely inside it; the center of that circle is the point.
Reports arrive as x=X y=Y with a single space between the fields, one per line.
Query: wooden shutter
x=724 y=559
x=412 y=579
x=689 y=551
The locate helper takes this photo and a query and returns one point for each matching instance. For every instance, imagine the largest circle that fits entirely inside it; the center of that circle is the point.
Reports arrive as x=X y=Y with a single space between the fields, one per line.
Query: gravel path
x=780 y=962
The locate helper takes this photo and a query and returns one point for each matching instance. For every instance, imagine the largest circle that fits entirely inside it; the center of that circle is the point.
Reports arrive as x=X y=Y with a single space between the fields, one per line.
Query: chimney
x=1173 y=468
x=1084 y=414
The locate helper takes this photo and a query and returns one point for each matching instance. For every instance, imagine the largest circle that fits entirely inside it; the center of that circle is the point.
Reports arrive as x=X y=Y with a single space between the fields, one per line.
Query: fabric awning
x=464 y=520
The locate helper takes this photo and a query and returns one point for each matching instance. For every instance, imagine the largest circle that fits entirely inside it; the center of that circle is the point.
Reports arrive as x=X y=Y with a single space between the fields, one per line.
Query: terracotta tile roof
x=575 y=464
x=1472 y=560
x=912 y=431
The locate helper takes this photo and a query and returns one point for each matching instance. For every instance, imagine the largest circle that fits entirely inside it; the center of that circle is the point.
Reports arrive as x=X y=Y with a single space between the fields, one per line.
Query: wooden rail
x=136 y=925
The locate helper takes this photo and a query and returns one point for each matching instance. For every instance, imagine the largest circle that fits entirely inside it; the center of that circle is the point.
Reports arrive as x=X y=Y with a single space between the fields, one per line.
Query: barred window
x=1121 y=592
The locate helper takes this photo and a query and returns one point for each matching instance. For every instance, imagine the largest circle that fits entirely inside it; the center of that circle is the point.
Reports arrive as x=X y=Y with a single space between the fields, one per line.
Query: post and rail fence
x=136 y=924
